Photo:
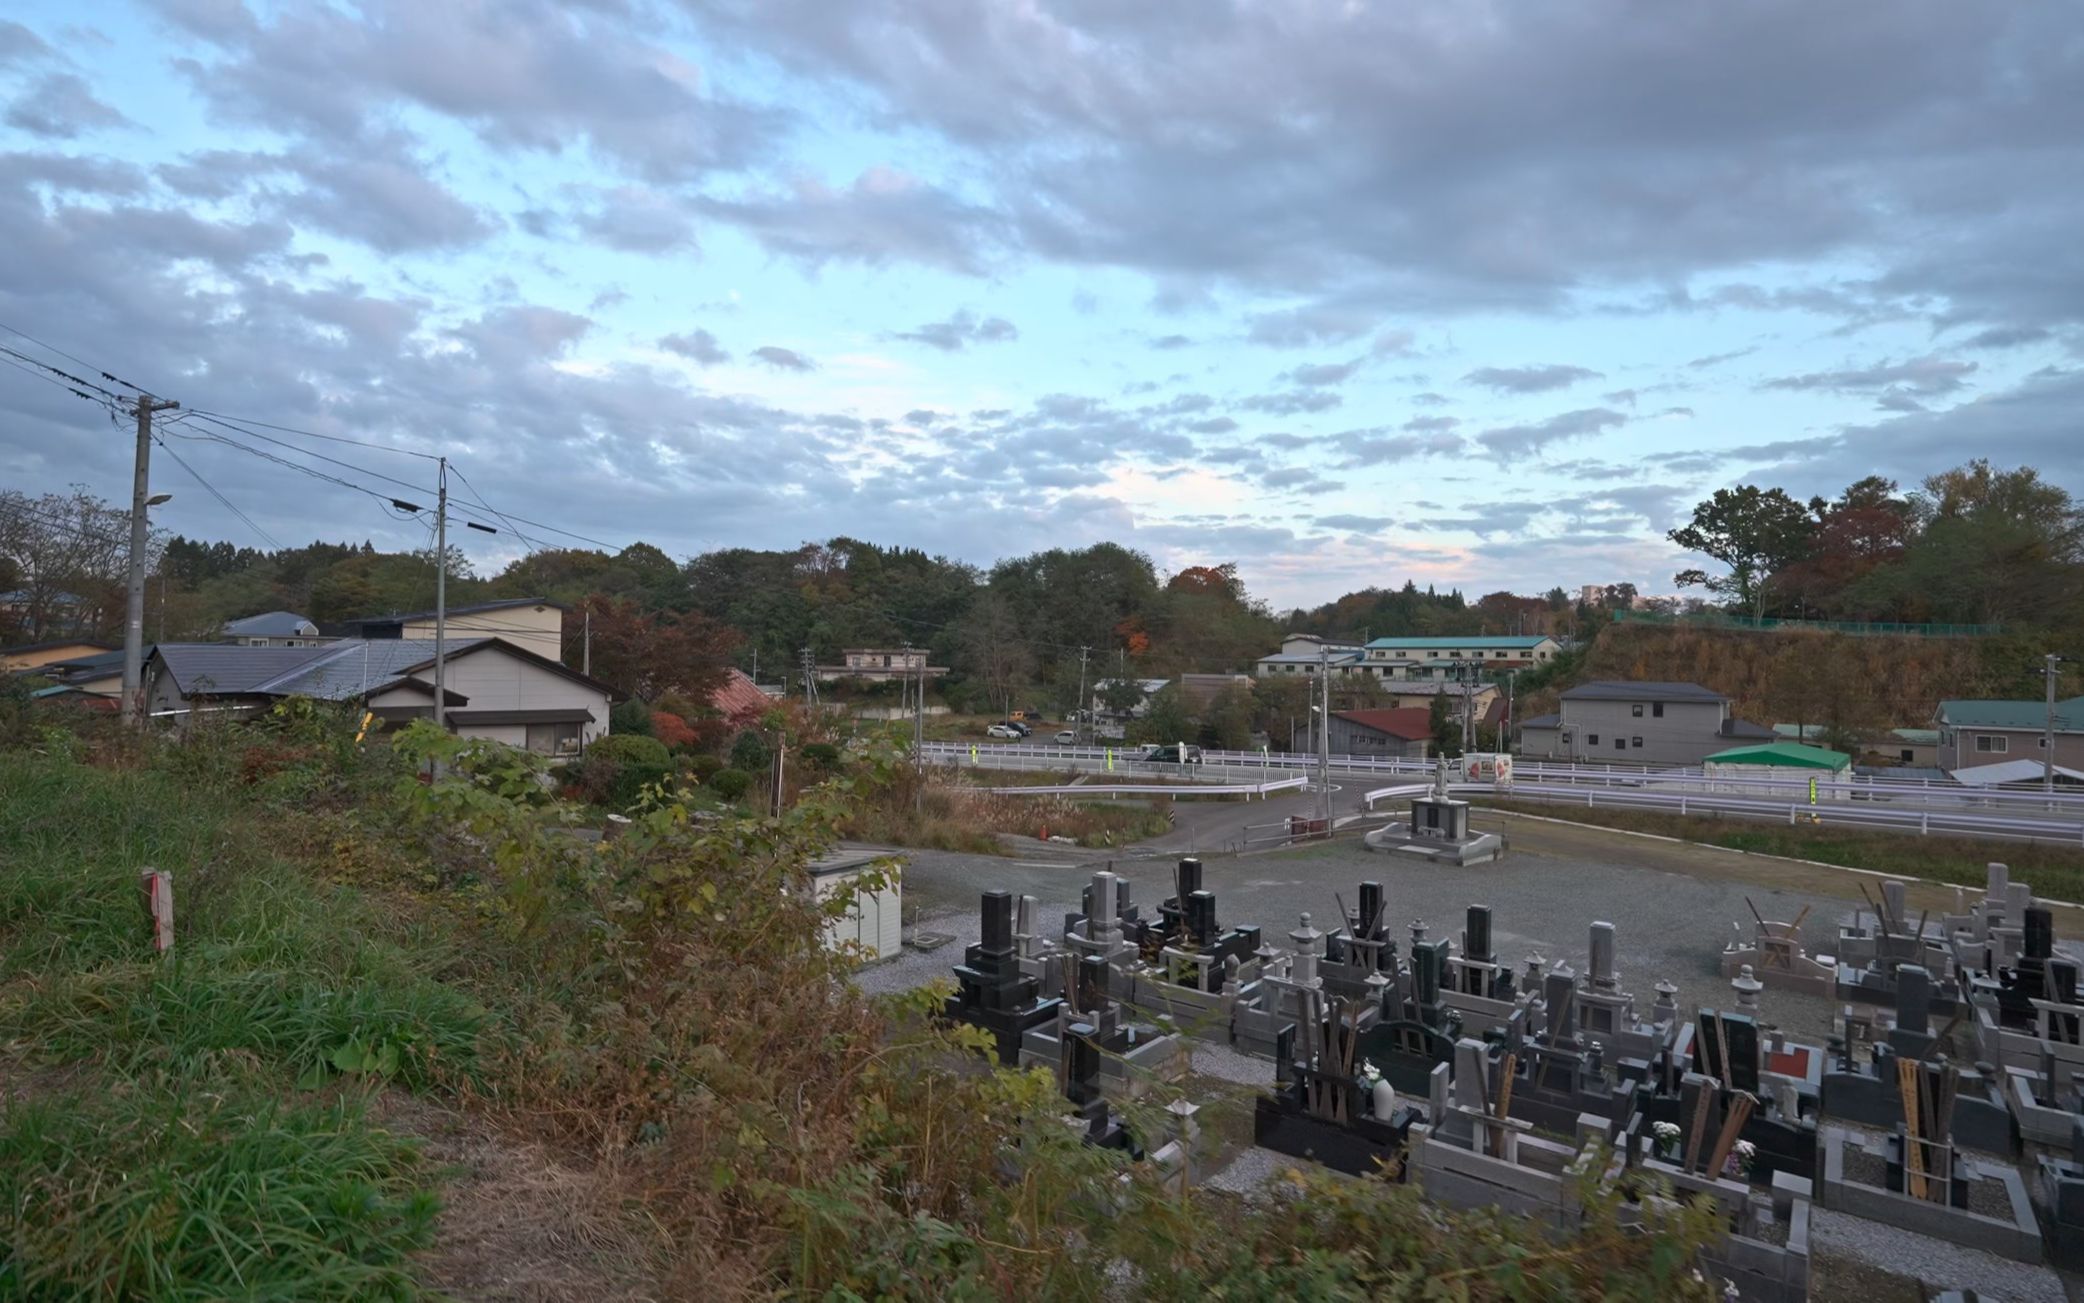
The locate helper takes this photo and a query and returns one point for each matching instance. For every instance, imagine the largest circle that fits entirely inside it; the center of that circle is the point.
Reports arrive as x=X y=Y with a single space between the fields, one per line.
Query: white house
x=492 y=688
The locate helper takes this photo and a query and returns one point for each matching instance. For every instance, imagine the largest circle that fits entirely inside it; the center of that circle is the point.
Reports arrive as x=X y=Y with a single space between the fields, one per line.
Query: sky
x=1482 y=295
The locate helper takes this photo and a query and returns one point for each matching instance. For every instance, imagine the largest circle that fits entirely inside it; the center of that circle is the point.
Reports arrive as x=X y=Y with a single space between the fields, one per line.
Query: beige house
x=1973 y=733
x=880 y=665
x=36 y=655
x=1638 y=722
x=492 y=688
x=536 y=623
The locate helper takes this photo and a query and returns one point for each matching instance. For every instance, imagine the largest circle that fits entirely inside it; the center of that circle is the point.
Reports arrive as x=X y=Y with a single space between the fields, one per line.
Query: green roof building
x=1784 y=755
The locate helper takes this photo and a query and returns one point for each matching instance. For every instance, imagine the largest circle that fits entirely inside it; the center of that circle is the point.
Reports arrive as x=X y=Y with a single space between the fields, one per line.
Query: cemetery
x=1946 y=1100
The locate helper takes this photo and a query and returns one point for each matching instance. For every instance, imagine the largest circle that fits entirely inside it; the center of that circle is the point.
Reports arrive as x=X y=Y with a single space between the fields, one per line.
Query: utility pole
x=586 y=646
x=918 y=733
x=441 y=592
x=1324 y=737
x=134 y=613
x=810 y=678
x=2050 y=672
x=1079 y=705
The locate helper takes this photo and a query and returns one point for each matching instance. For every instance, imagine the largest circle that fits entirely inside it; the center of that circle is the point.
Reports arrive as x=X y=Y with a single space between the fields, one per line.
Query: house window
x=1906 y=756
x=1638 y=744
x=1657 y=709
x=1620 y=744
x=1985 y=743
x=1636 y=710
x=1591 y=739
x=554 y=739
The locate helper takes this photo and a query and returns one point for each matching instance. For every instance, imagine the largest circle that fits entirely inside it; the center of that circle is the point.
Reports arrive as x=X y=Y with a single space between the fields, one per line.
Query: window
x=1985 y=743
x=1636 y=710
x=1657 y=710
x=1591 y=739
x=1638 y=743
x=1620 y=744
x=554 y=739
x=1905 y=755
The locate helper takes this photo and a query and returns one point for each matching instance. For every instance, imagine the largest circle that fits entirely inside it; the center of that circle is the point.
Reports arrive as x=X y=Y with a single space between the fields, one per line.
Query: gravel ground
x=1226 y=1064
x=1936 y=1263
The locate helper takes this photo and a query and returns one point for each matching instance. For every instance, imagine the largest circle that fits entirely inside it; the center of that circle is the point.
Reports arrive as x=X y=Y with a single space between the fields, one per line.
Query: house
x=27 y=611
x=1197 y=691
x=1453 y=656
x=1645 y=723
x=36 y=655
x=1489 y=701
x=1398 y=734
x=1304 y=653
x=97 y=674
x=272 y=629
x=493 y=689
x=1917 y=747
x=536 y=623
x=738 y=699
x=1103 y=689
x=880 y=665
x=1975 y=733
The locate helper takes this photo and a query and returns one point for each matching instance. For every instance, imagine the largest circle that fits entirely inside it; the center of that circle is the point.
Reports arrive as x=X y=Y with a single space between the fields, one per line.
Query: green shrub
x=629 y=747
x=750 y=753
x=704 y=766
x=730 y=784
x=630 y=718
x=633 y=776
x=823 y=755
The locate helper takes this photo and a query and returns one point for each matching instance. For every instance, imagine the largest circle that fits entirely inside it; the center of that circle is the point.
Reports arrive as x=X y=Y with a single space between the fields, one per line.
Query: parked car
x=1002 y=731
x=1018 y=726
x=1066 y=736
x=1173 y=755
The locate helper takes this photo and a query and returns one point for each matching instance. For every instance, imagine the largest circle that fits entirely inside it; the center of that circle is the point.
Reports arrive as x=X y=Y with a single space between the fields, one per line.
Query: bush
x=823 y=755
x=672 y=730
x=633 y=776
x=627 y=748
x=630 y=718
x=703 y=766
x=730 y=784
x=750 y=753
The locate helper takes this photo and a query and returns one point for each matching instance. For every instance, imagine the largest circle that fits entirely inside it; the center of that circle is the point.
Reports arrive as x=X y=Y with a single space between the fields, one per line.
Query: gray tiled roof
x=1645 y=690
x=1734 y=727
x=271 y=624
x=1543 y=721
x=334 y=671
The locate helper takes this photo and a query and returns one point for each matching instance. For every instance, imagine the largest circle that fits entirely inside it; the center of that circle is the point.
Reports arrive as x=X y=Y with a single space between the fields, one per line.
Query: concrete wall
x=1687 y=733
x=538 y=628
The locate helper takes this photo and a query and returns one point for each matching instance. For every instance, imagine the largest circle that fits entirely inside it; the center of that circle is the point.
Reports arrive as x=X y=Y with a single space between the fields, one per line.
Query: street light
x=159 y=499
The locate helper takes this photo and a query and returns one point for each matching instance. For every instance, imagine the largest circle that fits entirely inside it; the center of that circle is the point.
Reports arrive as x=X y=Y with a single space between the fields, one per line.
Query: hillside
x=1776 y=676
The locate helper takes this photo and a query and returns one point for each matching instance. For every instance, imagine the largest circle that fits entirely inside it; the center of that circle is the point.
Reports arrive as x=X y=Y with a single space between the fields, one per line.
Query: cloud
x=1931 y=375
x=2006 y=337
x=697 y=346
x=1357 y=524
x=1431 y=400
x=1376 y=448
x=961 y=330
x=60 y=106
x=1213 y=425
x=1166 y=342
x=884 y=216
x=783 y=359
x=1513 y=441
x=1717 y=359
x=1292 y=402
x=1317 y=323
x=1432 y=423
x=1322 y=374
x=1528 y=379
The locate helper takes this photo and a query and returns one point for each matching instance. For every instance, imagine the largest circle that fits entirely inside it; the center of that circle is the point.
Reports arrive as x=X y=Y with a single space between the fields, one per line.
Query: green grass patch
x=2053 y=871
x=205 y=1190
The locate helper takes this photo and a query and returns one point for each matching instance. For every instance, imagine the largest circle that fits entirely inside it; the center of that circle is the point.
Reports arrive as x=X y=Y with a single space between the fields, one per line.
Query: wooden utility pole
x=134 y=613
x=441 y=592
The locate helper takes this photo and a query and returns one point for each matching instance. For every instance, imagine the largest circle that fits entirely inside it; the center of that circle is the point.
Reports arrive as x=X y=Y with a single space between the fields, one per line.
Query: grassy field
x=2054 y=871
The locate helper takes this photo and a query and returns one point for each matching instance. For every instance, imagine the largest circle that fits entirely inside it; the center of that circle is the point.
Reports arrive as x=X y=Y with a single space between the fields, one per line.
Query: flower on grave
x=1369 y=1072
x=1741 y=1156
x=1729 y=1291
x=1666 y=1135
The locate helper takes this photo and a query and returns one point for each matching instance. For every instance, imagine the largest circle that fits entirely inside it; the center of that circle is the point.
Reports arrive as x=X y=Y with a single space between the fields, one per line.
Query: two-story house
x=533 y=623
x=273 y=629
x=1450 y=656
x=1646 y=723
x=1973 y=733
x=1306 y=653
x=880 y=665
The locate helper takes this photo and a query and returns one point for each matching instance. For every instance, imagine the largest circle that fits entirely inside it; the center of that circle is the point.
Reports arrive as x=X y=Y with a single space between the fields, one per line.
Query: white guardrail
x=1246 y=790
x=1902 y=805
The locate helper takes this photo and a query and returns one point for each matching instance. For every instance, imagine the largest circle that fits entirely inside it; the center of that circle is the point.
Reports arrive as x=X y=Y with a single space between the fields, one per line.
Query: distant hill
x=1780 y=676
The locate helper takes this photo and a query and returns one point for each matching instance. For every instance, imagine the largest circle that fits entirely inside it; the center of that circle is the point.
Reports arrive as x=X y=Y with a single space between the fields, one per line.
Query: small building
x=1489 y=701
x=273 y=629
x=97 y=674
x=36 y=655
x=1306 y=653
x=2017 y=773
x=880 y=665
x=1769 y=764
x=492 y=688
x=534 y=623
x=1638 y=722
x=1453 y=657
x=739 y=700
x=1400 y=734
x=1913 y=747
x=1973 y=733
x=875 y=919
x=1197 y=691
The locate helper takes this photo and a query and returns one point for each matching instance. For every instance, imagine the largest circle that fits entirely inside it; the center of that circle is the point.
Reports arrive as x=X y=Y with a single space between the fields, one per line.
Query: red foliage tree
x=672 y=730
x=646 y=653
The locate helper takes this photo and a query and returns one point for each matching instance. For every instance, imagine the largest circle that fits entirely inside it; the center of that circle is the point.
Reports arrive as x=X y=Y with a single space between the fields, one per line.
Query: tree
x=645 y=654
x=1752 y=531
x=1166 y=720
x=995 y=653
x=1618 y=597
x=1440 y=722
x=1227 y=723
x=70 y=555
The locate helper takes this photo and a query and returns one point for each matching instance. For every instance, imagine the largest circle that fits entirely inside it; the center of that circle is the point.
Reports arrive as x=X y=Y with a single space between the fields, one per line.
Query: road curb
x=1757 y=855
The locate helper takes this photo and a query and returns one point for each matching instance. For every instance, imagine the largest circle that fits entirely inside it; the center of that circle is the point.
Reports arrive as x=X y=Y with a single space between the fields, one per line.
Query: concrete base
x=2017 y=1238
x=1477 y=848
x=1366 y=1148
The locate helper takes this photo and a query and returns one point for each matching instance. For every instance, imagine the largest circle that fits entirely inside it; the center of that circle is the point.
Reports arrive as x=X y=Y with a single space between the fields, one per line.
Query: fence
x=1246 y=790
x=1725 y=620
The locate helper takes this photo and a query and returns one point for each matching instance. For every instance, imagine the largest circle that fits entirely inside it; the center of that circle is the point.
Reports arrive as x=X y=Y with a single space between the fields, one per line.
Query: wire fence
x=1727 y=620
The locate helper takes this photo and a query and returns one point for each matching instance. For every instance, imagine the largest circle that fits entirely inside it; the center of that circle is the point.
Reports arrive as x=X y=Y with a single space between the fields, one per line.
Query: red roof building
x=739 y=700
x=1404 y=732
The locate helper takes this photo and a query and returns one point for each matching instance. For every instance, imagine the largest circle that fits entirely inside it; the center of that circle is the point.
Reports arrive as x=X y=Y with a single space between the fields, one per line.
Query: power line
x=313 y=472
x=69 y=357
x=100 y=400
x=473 y=489
x=62 y=372
x=313 y=434
x=211 y=489
x=364 y=470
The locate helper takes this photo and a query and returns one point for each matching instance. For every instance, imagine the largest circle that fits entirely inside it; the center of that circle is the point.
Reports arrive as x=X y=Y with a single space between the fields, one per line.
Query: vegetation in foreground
x=2056 y=872
x=660 y=1007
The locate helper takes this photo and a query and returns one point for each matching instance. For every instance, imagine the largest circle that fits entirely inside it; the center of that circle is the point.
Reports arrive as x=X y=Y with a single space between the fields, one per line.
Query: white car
x=1065 y=737
x=1002 y=730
